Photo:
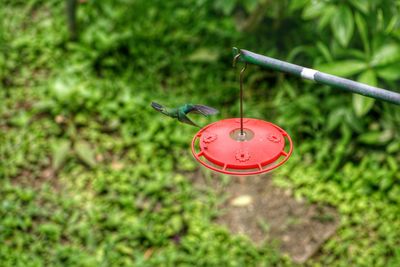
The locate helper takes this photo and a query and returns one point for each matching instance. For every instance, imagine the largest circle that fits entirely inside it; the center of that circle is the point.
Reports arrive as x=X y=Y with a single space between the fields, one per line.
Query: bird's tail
x=157 y=106
x=205 y=110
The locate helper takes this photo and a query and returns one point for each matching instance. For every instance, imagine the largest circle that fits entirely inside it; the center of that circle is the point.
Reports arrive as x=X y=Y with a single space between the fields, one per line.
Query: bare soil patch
x=35 y=181
x=266 y=213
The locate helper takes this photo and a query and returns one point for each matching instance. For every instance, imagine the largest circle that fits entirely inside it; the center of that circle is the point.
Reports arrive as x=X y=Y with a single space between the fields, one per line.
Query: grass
x=119 y=192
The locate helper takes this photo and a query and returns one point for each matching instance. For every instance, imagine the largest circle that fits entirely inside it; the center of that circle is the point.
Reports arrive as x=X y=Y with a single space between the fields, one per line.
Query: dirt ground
x=266 y=213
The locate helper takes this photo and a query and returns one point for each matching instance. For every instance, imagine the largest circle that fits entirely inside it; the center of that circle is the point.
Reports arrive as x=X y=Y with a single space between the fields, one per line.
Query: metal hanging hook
x=235 y=59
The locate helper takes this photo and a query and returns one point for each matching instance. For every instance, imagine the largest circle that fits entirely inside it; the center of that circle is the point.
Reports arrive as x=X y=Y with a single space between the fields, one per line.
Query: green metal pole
x=317 y=76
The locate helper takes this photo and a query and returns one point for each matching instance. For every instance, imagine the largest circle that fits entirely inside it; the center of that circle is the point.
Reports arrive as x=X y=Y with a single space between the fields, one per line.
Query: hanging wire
x=241 y=92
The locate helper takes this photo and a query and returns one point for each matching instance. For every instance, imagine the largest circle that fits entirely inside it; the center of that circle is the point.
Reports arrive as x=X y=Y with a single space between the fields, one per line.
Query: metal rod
x=317 y=76
x=241 y=98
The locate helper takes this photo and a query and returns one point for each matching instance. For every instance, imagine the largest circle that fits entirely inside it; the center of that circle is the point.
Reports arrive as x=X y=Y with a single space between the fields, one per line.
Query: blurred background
x=91 y=175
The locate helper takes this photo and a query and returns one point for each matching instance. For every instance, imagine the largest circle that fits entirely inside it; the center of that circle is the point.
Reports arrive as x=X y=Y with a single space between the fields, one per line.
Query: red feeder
x=262 y=147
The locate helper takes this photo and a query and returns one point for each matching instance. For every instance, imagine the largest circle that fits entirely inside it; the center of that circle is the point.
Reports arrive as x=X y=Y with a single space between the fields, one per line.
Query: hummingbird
x=181 y=111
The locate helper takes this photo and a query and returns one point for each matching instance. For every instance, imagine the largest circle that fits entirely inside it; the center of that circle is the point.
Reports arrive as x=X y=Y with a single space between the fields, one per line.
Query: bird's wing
x=185 y=119
x=205 y=110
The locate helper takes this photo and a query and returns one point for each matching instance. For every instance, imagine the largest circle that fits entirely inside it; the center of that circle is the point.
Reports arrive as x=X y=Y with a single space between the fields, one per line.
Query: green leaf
x=297 y=4
x=386 y=182
x=369 y=138
x=60 y=153
x=295 y=52
x=324 y=51
x=326 y=17
x=376 y=137
x=390 y=72
x=363 y=31
x=394 y=194
x=85 y=153
x=204 y=55
x=386 y=54
x=342 y=25
x=226 y=6
x=20 y=119
x=344 y=68
x=313 y=10
x=393 y=147
x=392 y=25
x=250 y=5
x=353 y=122
x=361 y=5
x=335 y=118
x=362 y=104
x=392 y=163
x=61 y=89
x=368 y=77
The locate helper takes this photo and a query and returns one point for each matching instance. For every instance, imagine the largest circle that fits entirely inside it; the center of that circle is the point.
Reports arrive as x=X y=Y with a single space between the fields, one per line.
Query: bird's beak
x=157 y=106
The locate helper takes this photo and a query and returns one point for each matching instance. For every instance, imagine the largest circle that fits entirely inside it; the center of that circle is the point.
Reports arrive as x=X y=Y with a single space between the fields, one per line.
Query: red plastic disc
x=221 y=147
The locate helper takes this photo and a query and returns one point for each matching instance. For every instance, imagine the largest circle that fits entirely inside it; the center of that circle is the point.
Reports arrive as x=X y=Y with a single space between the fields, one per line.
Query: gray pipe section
x=317 y=76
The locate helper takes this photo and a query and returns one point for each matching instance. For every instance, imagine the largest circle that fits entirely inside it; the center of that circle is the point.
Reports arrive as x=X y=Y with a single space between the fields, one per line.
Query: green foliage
x=90 y=175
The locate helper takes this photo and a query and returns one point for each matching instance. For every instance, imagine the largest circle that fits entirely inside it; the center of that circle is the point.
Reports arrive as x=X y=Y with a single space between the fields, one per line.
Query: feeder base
x=260 y=148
